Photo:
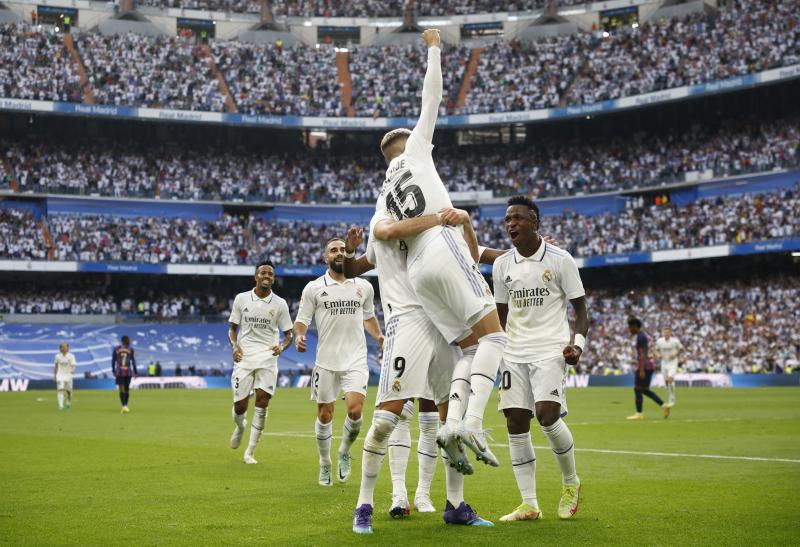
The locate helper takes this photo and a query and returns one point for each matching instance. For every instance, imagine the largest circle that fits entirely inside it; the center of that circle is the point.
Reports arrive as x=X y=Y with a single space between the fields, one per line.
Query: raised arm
x=388 y=230
x=431 y=87
x=353 y=267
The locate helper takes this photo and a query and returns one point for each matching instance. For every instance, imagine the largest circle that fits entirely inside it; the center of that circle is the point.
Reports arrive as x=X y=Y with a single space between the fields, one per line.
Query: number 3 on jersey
x=404 y=202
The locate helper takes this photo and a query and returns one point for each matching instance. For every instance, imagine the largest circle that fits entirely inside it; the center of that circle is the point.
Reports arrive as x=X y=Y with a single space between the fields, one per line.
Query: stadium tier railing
x=459 y=121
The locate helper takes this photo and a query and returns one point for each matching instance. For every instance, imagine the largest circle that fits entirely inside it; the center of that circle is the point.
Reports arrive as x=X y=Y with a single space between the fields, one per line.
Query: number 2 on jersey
x=405 y=202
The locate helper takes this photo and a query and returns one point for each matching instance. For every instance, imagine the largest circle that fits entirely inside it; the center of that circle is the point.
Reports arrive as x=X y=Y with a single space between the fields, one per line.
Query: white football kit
x=260 y=321
x=441 y=270
x=669 y=351
x=417 y=360
x=65 y=369
x=537 y=290
x=339 y=310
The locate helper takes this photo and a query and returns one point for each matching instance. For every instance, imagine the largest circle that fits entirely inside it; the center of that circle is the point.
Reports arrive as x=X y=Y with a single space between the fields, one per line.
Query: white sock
x=324 y=432
x=238 y=418
x=454 y=482
x=482 y=377
x=256 y=427
x=399 y=449
x=60 y=398
x=383 y=423
x=523 y=460
x=427 y=452
x=350 y=432
x=560 y=438
x=459 y=387
x=69 y=397
x=671 y=393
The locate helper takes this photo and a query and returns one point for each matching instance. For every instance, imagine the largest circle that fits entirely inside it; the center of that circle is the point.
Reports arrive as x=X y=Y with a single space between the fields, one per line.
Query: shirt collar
x=331 y=281
x=538 y=256
x=254 y=296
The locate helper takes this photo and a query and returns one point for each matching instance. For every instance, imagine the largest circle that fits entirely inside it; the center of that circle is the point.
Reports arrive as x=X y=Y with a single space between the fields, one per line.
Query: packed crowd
x=35 y=65
x=235 y=6
x=395 y=8
x=542 y=169
x=639 y=227
x=158 y=72
x=742 y=327
x=20 y=235
x=274 y=79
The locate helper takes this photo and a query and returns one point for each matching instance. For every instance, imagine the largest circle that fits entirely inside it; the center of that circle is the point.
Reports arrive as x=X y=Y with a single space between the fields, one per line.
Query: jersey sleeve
x=284 y=318
x=369 y=302
x=308 y=303
x=498 y=280
x=73 y=363
x=236 y=311
x=571 y=282
x=419 y=142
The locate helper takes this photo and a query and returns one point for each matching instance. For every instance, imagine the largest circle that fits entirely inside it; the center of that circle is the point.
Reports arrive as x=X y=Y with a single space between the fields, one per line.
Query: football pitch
x=722 y=470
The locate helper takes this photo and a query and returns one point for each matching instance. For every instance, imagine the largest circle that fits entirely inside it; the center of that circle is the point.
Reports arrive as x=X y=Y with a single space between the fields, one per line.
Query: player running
x=668 y=350
x=532 y=285
x=417 y=362
x=123 y=366
x=446 y=280
x=342 y=309
x=644 y=370
x=63 y=370
x=256 y=317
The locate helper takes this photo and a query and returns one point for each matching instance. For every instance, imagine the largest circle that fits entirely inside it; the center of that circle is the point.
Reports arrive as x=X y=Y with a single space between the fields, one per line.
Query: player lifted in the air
x=444 y=276
x=255 y=320
x=417 y=363
x=64 y=369
x=342 y=308
x=668 y=350
x=533 y=283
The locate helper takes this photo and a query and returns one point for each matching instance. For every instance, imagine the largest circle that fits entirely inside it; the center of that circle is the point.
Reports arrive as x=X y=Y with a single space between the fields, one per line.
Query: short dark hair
x=634 y=322
x=526 y=201
x=331 y=240
x=265 y=262
x=126 y=341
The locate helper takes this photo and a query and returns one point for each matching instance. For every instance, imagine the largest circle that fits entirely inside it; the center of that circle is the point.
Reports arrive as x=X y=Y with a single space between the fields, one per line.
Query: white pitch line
x=598 y=451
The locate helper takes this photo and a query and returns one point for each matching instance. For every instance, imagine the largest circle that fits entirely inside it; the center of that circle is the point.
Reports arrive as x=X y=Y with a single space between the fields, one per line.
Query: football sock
x=639 y=401
x=60 y=398
x=122 y=398
x=238 y=419
x=69 y=397
x=350 y=432
x=482 y=377
x=454 y=482
x=256 y=427
x=523 y=460
x=560 y=438
x=671 y=393
x=652 y=395
x=399 y=449
x=324 y=432
x=459 y=387
x=125 y=397
x=383 y=423
x=427 y=451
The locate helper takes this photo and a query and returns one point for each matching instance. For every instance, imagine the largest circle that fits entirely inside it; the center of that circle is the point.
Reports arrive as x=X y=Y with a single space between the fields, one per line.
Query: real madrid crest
x=547 y=276
x=272 y=313
x=396 y=386
x=360 y=293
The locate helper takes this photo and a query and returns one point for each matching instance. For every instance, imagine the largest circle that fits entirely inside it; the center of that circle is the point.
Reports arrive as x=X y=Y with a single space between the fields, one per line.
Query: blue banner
x=121 y=267
x=134 y=208
x=617 y=260
x=759 y=247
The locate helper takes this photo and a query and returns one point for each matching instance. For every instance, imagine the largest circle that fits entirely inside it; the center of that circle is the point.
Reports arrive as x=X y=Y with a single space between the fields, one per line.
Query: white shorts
x=326 y=385
x=245 y=380
x=417 y=361
x=522 y=385
x=449 y=285
x=64 y=384
x=669 y=370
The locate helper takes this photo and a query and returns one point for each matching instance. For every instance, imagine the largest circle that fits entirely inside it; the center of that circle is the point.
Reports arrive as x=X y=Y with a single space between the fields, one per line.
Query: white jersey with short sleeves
x=391 y=258
x=339 y=310
x=537 y=290
x=65 y=366
x=669 y=350
x=259 y=320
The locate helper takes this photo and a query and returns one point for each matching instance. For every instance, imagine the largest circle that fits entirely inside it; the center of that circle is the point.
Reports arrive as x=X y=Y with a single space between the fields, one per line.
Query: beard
x=338 y=268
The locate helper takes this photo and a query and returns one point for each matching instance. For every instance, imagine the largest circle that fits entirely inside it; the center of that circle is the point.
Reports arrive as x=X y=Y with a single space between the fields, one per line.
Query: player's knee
x=240 y=407
x=518 y=421
x=355 y=411
x=546 y=419
x=262 y=399
x=381 y=430
x=325 y=415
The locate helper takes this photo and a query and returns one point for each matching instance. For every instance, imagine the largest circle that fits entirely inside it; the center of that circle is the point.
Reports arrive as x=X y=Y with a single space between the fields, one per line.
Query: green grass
x=163 y=474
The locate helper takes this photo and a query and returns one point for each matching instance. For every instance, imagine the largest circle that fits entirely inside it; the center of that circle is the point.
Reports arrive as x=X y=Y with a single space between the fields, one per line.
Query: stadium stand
x=395 y=8
x=20 y=235
x=233 y=6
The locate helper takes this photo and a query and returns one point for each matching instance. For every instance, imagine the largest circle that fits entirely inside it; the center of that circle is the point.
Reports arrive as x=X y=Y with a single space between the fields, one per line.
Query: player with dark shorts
x=123 y=365
x=644 y=370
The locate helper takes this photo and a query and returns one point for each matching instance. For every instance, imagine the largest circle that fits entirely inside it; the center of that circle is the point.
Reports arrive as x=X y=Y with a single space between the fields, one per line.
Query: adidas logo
x=455 y=397
x=246 y=310
x=271 y=388
x=554 y=392
x=324 y=293
x=508 y=279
